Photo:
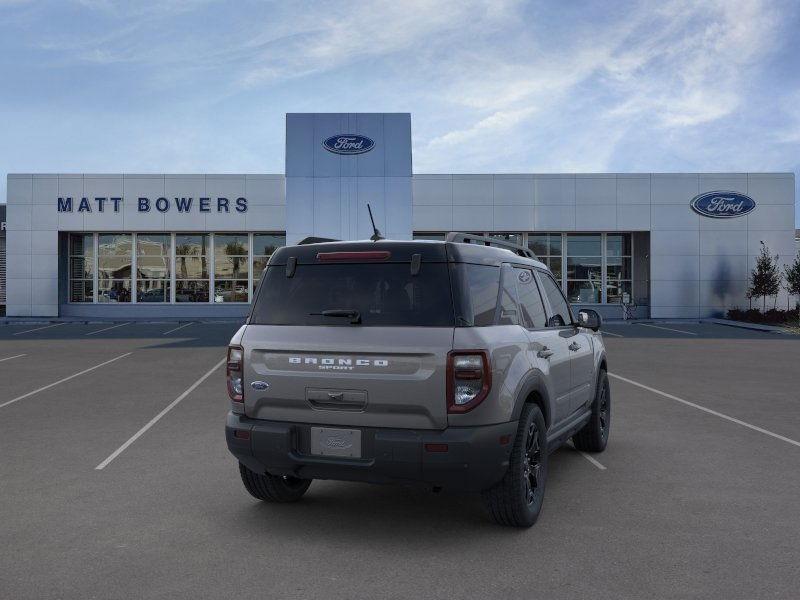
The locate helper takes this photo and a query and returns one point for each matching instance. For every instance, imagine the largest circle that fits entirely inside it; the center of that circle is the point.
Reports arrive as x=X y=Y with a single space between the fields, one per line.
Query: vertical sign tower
x=336 y=163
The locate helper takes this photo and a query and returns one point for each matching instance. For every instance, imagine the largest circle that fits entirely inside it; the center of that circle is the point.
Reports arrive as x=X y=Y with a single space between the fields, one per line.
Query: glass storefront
x=585 y=268
x=264 y=244
x=153 y=267
x=167 y=268
x=591 y=268
x=547 y=248
x=192 y=276
x=114 y=267
x=81 y=268
x=231 y=267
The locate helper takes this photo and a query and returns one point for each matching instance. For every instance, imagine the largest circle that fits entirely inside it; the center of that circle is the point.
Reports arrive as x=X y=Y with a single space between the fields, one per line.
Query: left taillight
x=235 y=377
x=469 y=379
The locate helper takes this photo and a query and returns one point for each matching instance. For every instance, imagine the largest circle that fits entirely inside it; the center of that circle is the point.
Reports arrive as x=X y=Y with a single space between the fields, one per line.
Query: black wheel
x=272 y=488
x=594 y=435
x=517 y=500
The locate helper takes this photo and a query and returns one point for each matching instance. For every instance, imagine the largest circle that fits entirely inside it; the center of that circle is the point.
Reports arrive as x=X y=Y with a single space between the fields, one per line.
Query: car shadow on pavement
x=336 y=512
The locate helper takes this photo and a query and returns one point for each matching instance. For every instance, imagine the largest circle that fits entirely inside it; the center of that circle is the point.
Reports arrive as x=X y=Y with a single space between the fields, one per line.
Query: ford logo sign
x=347 y=143
x=723 y=205
x=259 y=385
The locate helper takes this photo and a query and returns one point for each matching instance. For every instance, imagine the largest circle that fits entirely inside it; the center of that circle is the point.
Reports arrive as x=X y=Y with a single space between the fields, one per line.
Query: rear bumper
x=475 y=459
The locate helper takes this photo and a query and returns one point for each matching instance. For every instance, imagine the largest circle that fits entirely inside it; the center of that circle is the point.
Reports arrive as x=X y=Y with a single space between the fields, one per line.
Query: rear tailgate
x=347 y=375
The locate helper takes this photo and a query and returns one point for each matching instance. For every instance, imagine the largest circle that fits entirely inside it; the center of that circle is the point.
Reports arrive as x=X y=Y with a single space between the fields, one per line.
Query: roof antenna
x=377 y=234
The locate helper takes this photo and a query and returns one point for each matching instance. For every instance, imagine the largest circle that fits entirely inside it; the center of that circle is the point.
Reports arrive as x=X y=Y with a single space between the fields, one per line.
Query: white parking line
x=107 y=328
x=604 y=332
x=181 y=327
x=667 y=329
x=10 y=357
x=155 y=419
x=39 y=328
x=49 y=385
x=708 y=410
x=590 y=458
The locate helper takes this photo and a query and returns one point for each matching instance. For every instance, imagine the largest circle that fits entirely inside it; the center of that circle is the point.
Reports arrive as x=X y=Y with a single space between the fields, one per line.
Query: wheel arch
x=533 y=390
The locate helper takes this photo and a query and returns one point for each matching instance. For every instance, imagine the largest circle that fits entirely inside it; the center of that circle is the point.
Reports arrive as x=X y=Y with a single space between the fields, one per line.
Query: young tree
x=792 y=276
x=765 y=279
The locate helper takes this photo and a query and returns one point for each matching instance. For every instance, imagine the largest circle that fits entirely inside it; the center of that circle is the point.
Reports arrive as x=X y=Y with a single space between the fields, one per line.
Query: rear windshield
x=383 y=294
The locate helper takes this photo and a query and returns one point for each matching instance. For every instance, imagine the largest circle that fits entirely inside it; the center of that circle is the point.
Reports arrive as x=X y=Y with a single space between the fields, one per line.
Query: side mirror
x=589 y=318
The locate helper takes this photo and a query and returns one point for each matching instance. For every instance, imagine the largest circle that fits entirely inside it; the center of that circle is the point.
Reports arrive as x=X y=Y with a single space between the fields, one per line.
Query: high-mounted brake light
x=469 y=379
x=234 y=374
x=366 y=255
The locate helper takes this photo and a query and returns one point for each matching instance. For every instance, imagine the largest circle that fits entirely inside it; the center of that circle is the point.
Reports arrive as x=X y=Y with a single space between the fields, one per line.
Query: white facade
x=684 y=265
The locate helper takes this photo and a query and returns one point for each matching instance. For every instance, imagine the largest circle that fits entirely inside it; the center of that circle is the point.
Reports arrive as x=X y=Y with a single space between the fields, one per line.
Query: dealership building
x=125 y=246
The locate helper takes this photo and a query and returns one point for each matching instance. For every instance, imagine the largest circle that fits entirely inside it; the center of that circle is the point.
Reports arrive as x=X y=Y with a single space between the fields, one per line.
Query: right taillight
x=469 y=379
x=234 y=374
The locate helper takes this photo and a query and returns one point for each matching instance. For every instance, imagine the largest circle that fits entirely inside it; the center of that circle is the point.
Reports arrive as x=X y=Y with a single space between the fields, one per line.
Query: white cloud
x=682 y=65
x=336 y=34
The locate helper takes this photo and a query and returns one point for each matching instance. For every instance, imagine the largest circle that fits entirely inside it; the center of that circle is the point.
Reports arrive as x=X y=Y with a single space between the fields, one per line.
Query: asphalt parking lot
x=116 y=482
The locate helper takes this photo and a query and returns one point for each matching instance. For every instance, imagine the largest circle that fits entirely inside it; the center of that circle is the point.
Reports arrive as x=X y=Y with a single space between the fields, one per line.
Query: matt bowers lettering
x=184 y=205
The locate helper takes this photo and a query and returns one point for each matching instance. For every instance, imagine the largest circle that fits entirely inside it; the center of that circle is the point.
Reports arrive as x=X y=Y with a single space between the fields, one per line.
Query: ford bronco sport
x=459 y=365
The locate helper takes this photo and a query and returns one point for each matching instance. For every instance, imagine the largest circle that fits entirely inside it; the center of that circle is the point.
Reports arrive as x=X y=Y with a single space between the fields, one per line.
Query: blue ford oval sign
x=347 y=143
x=723 y=205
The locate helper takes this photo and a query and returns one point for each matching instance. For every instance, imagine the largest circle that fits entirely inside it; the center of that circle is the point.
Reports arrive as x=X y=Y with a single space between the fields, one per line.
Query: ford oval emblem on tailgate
x=259 y=385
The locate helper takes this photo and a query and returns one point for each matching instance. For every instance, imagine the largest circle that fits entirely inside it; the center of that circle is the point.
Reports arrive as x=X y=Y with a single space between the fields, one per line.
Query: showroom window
x=191 y=267
x=619 y=268
x=153 y=259
x=231 y=267
x=591 y=268
x=585 y=268
x=264 y=244
x=114 y=267
x=167 y=267
x=81 y=267
x=548 y=249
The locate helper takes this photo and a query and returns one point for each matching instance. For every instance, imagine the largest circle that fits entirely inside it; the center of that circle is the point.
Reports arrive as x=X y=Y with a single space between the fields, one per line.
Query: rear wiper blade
x=346 y=313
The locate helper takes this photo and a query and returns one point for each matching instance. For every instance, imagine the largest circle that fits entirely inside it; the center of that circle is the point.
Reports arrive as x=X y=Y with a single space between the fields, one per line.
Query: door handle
x=574 y=346
x=545 y=352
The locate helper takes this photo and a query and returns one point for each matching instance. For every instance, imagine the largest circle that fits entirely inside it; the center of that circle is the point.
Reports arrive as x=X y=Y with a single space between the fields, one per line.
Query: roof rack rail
x=315 y=240
x=468 y=238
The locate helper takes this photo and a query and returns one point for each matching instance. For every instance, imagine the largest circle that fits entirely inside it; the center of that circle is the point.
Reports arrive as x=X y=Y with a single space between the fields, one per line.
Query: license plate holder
x=329 y=441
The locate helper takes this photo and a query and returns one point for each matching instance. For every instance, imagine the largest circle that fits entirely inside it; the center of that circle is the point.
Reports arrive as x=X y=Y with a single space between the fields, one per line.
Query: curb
x=746 y=325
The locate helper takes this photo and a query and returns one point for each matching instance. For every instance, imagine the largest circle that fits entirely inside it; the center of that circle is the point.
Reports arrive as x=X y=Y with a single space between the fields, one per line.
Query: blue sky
x=497 y=86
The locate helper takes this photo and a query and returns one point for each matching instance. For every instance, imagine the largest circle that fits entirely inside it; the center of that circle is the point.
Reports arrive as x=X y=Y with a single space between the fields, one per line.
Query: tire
x=273 y=488
x=517 y=500
x=594 y=435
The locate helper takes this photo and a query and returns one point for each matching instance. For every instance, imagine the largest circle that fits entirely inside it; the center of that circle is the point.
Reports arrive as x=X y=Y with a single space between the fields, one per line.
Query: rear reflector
x=241 y=434
x=368 y=255
x=505 y=440
x=436 y=447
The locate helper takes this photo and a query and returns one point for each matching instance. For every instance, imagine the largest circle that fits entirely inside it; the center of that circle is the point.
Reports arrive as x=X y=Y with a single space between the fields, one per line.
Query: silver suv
x=458 y=365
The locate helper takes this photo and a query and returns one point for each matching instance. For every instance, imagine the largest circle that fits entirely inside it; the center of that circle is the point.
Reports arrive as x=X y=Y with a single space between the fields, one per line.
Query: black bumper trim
x=475 y=459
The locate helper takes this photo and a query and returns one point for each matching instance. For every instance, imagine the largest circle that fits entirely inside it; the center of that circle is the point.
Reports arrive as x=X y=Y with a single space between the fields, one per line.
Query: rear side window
x=530 y=300
x=561 y=314
x=509 y=314
x=384 y=294
x=475 y=290
x=484 y=295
